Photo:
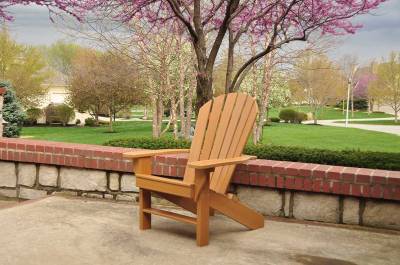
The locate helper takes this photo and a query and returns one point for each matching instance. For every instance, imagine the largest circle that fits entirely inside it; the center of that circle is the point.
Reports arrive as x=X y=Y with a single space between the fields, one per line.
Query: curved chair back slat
x=222 y=129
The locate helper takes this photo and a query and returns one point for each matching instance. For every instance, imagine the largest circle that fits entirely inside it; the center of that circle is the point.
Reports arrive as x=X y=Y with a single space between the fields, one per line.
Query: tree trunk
x=189 y=109
x=110 y=128
x=174 y=119
x=182 y=97
x=314 y=113
x=145 y=112
x=229 y=67
x=203 y=90
x=155 y=128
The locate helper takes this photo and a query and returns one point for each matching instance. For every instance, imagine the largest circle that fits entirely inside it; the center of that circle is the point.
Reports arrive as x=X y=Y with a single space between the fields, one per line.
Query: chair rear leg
x=203 y=215
x=144 y=203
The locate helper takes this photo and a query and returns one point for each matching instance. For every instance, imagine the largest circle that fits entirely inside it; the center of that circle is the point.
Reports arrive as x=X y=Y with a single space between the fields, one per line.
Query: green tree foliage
x=24 y=67
x=386 y=88
x=12 y=112
x=61 y=54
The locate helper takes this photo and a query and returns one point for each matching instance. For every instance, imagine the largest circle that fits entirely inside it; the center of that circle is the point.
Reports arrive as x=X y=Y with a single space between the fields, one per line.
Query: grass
x=311 y=136
x=326 y=113
x=329 y=137
x=329 y=113
x=381 y=122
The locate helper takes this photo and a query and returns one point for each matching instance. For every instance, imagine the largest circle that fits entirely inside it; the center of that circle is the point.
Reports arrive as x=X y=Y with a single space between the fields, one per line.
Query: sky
x=380 y=33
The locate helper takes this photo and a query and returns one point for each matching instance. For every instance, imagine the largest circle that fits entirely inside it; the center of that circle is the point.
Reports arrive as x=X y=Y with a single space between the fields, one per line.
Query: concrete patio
x=59 y=230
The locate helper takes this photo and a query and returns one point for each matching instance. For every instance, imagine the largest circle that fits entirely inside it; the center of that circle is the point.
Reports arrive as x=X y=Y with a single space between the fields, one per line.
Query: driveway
x=67 y=231
x=393 y=129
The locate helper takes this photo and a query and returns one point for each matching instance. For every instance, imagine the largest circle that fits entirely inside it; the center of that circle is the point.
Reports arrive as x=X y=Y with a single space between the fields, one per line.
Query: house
x=58 y=93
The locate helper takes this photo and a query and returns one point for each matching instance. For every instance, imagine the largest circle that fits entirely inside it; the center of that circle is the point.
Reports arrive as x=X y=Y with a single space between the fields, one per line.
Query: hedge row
x=351 y=158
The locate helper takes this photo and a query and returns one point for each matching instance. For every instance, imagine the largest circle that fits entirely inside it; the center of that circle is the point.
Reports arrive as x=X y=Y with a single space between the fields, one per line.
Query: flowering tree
x=284 y=21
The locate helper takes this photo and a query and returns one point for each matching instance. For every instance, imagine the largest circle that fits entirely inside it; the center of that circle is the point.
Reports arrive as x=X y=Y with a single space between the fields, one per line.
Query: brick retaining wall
x=31 y=169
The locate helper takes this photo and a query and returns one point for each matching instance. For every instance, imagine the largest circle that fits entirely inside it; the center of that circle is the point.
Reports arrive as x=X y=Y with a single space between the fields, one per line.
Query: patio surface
x=67 y=231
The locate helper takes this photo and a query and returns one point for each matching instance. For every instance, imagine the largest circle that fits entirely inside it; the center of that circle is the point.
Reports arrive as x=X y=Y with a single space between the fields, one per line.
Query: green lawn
x=329 y=113
x=312 y=136
x=382 y=122
x=326 y=113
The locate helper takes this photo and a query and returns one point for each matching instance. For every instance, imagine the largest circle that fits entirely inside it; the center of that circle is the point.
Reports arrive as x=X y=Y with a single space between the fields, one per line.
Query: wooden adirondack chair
x=222 y=130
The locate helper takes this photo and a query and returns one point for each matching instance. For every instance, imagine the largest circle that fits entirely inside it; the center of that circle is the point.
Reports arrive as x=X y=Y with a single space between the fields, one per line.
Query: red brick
x=12 y=146
x=174 y=171
x=307 y=169
x=298 y=183
x=394 y=177
x=244 y=179
x=157 y=170
x=235 y=178
x=326 y=186
x=337 y=187
x=365 y=191
x=289 y=183
x=397 y=194
x=165 y=170
x=364 y=175
x=388 y=193
x=355 y=189
x=335 y=173
x=320 y=171
x=271 y=182
x=317 y=185
x=253 y=178
x=349 y=173
x=262 y=180
x=280 y=168
x=280 y=182
x=345 y=189
x=293 y=169
x=308 y=184
x=376 y=191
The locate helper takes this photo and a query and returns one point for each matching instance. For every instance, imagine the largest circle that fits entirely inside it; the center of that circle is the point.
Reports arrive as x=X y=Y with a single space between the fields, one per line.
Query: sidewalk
x=66 y=231
x=393 y=129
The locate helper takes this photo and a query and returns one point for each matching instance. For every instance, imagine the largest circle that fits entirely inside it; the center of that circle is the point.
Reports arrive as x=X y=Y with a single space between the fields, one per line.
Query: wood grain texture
x=150 y=153
x=222 y=130
x=212 y=163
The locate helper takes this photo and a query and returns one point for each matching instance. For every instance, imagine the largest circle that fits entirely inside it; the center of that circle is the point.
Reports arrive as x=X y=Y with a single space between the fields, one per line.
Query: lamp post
x=349 y=87
x=2 y=92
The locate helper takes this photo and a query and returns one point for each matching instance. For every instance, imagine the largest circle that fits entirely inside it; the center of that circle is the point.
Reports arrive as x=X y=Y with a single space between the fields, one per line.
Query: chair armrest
x=212 y=163
x=150 y=153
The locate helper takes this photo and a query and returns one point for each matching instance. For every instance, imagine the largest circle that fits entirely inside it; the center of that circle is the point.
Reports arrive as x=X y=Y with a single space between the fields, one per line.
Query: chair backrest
x=222 y=130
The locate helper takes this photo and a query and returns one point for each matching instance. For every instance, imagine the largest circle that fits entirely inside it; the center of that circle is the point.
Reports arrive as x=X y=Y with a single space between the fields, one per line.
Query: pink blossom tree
x=207 y=22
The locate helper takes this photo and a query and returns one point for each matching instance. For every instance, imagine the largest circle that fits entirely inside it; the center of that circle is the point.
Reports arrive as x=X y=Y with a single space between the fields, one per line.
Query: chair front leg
x=203 y=208
x=144 y=203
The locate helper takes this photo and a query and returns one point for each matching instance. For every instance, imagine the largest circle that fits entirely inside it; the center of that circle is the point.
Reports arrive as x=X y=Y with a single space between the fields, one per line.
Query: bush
x=150 y=143
x=12 y=113
x=65 y=113
x=351 y=158
x=287 y=115
x=124 y=114
x=359 y=104
x=32 y=115
x=275 y=119
x=90 y=122
x=59 y=113
x=300 y=117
